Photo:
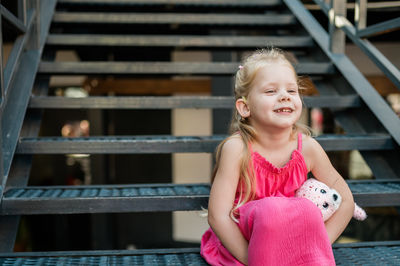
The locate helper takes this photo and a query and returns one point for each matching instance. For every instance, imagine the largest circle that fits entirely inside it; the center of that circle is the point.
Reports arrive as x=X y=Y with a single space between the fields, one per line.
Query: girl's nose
x=284 y=96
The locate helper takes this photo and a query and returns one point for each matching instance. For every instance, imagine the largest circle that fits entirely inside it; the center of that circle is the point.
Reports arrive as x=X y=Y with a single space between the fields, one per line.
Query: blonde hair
x=244 y=79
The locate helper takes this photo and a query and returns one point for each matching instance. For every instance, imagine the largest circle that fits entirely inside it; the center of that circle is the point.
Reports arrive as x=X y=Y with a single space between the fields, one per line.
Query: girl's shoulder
x=309 y=144
x=233 y=144
x=312 y=151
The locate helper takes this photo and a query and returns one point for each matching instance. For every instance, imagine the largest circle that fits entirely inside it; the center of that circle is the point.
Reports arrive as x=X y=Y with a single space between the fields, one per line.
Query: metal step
x=67 y=40
x=175 y=18
x=364 y=253
x=172 y=102
x=154 y=197
x=248 y=3
x=101 y=67
x=105 y=199
x=172 y=144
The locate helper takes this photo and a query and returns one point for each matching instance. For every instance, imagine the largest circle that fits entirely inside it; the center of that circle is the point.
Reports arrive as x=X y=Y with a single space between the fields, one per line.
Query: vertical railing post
x=22 y=11
x=360 y=14
x=2 y=178
x=34 y=42
x=1 y=64
x=337 y=36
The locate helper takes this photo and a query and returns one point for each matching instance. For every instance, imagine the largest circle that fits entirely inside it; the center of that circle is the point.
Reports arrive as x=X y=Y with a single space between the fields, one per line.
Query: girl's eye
x=270 y=91
x=292 y=91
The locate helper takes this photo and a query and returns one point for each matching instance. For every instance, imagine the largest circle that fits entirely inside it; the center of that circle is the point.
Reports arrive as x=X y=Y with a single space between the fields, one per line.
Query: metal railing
x=29 y=23
x=339 y=26
x=26 y=26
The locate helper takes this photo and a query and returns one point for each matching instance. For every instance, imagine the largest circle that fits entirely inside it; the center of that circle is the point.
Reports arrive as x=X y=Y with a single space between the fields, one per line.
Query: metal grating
x=151 y=198
x=260 y=3
x=142 y=260
x=163 y=190
x=107 y=191
x=380 y=254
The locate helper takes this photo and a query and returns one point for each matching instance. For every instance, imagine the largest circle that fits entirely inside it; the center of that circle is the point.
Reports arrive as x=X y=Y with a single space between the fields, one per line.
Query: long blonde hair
x=239 y=126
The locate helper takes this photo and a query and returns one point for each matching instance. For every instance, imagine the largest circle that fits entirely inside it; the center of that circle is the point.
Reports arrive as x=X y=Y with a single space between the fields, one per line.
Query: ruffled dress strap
x=299 y=141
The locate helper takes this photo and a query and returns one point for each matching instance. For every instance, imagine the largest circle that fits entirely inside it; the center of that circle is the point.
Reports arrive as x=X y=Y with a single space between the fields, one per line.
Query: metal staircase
x=226 y=28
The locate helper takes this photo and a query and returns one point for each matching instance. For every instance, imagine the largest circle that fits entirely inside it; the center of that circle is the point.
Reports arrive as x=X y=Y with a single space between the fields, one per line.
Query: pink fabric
x=281 y=229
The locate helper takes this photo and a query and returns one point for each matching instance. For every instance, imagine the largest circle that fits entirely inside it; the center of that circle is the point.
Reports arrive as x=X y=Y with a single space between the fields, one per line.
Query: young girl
x=254 y=218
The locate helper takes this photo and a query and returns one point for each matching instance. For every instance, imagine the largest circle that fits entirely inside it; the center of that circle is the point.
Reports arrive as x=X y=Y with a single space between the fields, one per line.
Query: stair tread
x=371 y=253
x=154 y=197
x=176 y=2
x=177 y=40
x=171 y=102
x=222 y=68
x=175 y=18
x=171 y=144
x=173 y=190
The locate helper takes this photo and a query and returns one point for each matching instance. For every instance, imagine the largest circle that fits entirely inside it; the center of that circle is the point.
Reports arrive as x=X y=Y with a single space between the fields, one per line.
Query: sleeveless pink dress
x=281 y=229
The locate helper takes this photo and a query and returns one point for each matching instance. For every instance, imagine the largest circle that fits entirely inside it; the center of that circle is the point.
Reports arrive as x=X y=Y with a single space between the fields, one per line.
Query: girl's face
x=274 y=99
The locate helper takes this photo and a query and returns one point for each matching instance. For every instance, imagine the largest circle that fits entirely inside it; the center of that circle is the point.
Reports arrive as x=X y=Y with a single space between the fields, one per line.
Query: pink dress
x=281 y=229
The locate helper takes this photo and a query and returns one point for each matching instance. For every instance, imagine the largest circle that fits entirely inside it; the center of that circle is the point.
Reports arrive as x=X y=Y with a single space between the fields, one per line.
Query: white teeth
x=286 y=110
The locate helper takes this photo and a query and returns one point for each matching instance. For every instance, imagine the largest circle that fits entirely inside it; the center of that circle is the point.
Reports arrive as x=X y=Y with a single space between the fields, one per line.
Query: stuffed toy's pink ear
x=359 y=213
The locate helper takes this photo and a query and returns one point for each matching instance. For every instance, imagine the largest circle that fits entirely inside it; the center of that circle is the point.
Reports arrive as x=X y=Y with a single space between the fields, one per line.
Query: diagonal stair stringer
x=367 y=92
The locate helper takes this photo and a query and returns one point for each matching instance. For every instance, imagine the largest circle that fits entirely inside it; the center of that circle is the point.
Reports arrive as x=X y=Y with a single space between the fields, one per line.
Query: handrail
x=340 y=21
x=371 y=97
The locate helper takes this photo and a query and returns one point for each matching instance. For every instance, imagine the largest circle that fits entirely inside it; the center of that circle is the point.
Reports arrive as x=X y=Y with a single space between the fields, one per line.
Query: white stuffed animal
x=327 y=199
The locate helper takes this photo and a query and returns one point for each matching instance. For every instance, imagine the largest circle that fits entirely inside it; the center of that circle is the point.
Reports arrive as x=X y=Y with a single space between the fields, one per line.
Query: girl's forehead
x=279 y=71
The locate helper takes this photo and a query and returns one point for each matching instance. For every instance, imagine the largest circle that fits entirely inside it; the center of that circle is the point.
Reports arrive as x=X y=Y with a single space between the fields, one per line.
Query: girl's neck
x=273 y=140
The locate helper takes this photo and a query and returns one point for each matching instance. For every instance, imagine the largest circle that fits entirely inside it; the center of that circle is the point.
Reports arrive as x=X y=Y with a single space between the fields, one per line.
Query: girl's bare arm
x=322 y=169
x=222 y=198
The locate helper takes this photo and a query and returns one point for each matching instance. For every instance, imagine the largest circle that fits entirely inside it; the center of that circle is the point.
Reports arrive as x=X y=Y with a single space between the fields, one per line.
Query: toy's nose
x=335 y=197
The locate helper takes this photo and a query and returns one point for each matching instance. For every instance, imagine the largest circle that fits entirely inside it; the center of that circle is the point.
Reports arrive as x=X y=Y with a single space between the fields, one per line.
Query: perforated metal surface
x=155 y=197
x=380 y=255
x=369 y=254
x=108 y=191
x=142 y=260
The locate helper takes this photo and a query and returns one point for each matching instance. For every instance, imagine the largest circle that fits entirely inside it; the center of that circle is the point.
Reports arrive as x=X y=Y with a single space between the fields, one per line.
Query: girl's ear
x=242 y=108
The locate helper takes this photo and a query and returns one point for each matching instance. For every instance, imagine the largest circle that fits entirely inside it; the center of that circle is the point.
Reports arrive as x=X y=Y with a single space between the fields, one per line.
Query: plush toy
x=328 y=200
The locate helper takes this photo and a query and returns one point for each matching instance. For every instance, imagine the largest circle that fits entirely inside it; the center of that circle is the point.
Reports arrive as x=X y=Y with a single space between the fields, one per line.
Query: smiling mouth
x=283 y=110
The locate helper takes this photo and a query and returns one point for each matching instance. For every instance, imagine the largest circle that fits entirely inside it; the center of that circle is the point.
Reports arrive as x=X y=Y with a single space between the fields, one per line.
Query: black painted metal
x=106 y=199
x=389 y=69
x=168 y=197
x=172 y=144
x=379 y=28
x=368 y=93
x=20 y=171
x=259 y=3
x=121 y=68
x=154 y=197
x=16 y=100
x=167 y=18
x=171 y=102
x=372 y=253
x=383 y=164
x=15 y=22
x=177 y=41
x=14 y=58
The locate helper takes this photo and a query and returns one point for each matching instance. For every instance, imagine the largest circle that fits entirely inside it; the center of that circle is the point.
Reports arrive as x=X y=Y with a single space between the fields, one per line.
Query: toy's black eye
x=323 y=191
x=325 y=205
